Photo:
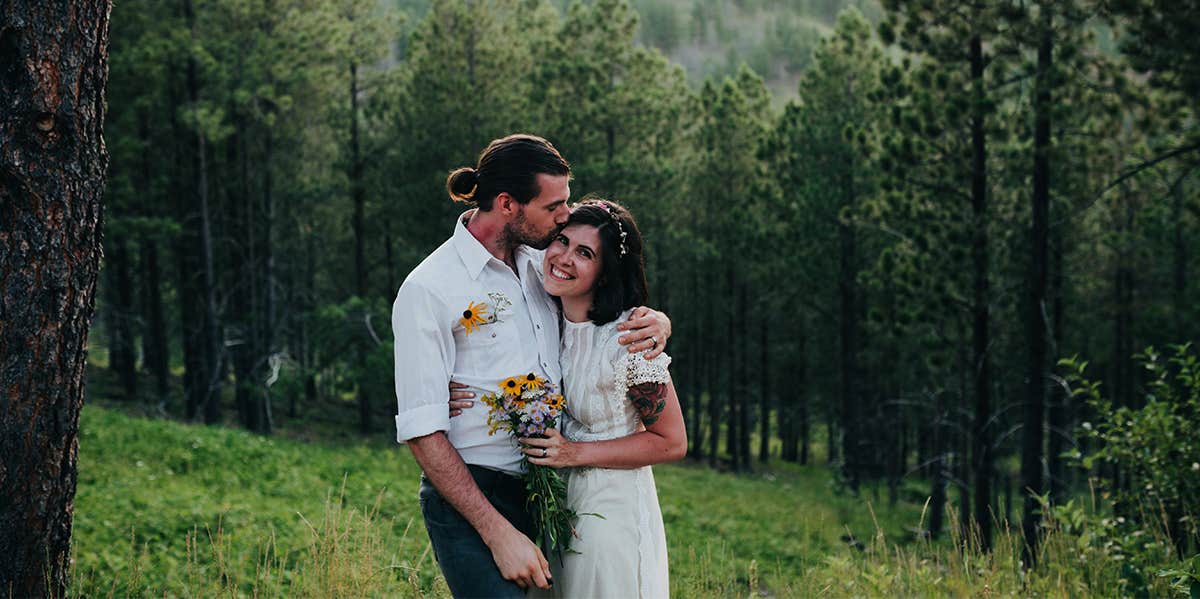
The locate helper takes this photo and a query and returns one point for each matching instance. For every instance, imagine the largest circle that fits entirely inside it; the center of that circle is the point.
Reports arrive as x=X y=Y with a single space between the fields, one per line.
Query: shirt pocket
x=482 y=334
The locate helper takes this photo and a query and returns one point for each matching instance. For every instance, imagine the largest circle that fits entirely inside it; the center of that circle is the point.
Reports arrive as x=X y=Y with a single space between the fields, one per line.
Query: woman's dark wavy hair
x=622 y=281
x=509 y=164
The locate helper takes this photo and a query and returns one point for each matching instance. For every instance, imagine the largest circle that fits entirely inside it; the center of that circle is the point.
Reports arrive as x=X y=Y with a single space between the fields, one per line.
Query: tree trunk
x=266 y=336
x=243 y=349
x=969 y=529
x=745 y=406
x=1032 y=479
x=850 y=409
x=123 y=358
x=1123 y=366
x=308 y=352
x=155 y=353
x=733 y=375
x=1057 y=415
x=358 y=193
x=799 y=426
x=700 y=349
x=714 y=398
x=831 y=432
x=186 y=261
x=937 y=468
x=210 y=384
x=52 y=176
x=764 y=404
x=389 y=262
x=696 y=414
x=1179 y=257
x=981 y=317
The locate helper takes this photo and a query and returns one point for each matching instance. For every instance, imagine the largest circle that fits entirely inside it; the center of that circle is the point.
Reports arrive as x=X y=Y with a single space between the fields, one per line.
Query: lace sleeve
x=635 y=369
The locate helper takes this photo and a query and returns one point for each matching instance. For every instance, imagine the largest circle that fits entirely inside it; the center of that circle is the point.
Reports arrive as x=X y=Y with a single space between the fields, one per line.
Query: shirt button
x=493 y=335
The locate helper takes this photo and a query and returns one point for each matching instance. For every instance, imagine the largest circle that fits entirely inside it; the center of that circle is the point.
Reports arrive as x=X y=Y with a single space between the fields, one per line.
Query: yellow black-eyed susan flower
x=511 y=385
x=473 y=316
x=532 y=381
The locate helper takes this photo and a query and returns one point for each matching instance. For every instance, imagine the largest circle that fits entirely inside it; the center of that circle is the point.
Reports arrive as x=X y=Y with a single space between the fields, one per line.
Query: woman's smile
x=560 y=274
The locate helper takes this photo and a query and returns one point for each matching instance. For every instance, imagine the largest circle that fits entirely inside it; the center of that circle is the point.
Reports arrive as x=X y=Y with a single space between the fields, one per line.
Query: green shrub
x=1154 y=448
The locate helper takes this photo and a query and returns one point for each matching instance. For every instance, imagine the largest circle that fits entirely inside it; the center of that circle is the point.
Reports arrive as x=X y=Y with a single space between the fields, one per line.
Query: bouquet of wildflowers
x=526 y=406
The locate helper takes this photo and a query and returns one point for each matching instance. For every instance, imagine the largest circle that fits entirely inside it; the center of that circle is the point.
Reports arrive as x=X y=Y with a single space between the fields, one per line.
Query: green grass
x=165 y=508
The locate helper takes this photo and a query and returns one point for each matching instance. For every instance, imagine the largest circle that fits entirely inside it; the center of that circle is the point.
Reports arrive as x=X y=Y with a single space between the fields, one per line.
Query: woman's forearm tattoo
x=649 y=399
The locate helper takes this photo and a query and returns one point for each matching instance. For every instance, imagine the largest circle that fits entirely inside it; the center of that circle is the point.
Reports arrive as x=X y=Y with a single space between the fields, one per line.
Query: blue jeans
x=464 y=558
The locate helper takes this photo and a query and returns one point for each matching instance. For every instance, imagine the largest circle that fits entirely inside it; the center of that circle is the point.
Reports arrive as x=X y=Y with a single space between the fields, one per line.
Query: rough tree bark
x=53 y=73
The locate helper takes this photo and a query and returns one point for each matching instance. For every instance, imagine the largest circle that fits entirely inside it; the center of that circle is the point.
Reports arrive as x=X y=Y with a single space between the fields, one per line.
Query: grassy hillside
x=165 y=508
x=191 y=510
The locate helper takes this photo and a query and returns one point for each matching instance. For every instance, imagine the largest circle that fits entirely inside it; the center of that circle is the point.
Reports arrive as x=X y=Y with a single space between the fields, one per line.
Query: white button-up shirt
x=432 y=346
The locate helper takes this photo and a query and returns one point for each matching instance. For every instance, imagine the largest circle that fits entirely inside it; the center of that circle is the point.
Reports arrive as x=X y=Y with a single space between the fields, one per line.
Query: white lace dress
x=623 y=555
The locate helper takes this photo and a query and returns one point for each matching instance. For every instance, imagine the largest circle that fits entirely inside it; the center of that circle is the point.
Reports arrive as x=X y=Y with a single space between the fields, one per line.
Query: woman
x=623 y=411
x=624 y=414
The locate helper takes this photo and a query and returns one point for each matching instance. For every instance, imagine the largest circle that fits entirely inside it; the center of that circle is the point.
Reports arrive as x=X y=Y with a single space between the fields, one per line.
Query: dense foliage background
x=877 y=227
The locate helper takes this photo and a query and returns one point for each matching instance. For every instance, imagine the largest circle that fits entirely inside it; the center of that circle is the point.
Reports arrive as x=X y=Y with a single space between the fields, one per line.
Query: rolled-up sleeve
x=424 y=359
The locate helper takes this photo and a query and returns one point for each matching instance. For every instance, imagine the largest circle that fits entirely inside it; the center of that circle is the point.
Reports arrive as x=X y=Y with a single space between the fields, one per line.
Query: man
x=475 y=310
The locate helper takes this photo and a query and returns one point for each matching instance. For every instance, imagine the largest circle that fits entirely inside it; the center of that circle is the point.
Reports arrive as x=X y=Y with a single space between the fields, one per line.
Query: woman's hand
x=554 y=451
x=459 y=400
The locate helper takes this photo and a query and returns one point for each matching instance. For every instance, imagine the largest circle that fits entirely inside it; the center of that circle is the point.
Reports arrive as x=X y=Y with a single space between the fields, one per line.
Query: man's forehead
x=550 y=192
x=548 y=180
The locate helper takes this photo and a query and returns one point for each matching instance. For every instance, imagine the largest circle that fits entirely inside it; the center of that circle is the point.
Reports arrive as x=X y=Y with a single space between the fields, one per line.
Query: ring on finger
x=544 y=452
x=653 y=341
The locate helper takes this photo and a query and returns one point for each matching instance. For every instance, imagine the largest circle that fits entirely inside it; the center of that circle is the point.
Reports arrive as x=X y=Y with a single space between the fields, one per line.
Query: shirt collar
x=473 y=254
x=475 y=257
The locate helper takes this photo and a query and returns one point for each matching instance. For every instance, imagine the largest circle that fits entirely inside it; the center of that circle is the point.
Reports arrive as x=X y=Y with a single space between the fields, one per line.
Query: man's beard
x=521 y=232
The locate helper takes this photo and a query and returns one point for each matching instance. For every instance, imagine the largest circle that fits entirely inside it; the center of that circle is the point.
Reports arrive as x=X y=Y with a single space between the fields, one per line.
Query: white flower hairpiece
x=616 y=219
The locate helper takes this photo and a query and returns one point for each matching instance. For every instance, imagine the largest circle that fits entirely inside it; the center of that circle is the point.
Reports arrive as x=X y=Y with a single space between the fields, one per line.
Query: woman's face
x=573 y=262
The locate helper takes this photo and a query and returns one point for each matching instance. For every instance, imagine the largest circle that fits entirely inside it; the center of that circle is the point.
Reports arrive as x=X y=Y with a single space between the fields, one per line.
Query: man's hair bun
x=461 y=184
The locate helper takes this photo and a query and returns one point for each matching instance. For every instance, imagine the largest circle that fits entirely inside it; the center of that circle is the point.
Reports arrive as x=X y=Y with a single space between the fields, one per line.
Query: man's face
x=537 y=222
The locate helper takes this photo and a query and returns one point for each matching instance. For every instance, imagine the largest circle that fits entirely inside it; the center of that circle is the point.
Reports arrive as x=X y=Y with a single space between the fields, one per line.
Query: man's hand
x=518 y=559
x=459 y=400
x=648 y=332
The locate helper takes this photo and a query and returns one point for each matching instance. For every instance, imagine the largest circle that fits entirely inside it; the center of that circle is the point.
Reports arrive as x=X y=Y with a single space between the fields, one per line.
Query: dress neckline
x=576 y=325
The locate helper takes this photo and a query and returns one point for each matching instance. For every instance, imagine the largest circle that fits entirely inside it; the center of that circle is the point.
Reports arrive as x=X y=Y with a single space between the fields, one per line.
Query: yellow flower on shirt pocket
x=474 y=316
x=478 y=314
